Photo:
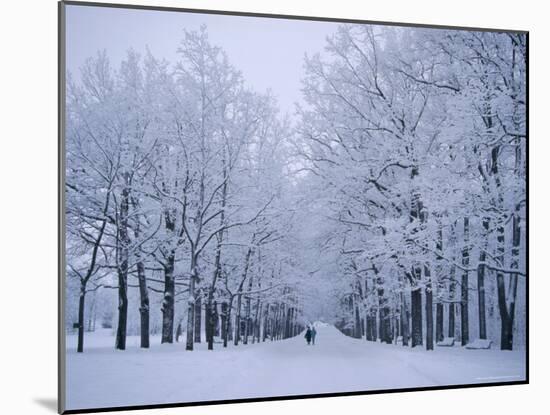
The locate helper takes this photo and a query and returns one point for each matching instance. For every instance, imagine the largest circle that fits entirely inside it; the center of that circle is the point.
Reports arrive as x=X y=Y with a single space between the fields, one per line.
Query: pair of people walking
x=310 y=335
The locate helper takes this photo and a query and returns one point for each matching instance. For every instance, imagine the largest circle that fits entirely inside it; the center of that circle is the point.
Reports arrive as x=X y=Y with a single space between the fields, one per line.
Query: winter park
x=265 y=207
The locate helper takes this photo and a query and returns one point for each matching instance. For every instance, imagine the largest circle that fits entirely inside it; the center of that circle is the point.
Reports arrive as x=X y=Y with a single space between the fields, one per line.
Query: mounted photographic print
x=258 y=207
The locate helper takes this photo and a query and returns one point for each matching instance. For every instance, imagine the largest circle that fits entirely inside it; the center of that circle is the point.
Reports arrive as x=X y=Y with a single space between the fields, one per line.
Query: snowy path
x=167 y=373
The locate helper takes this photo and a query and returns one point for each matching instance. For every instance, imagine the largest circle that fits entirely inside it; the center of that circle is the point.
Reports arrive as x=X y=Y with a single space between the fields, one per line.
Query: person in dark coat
x=308 y=335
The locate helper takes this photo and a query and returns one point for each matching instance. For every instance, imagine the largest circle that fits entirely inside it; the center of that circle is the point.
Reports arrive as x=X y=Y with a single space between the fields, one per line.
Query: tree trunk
x=198 y=318
x=368 y=329
x=286 y=331
x=191 y=304
x=281 y=325
x=439 y=322
x=507 y=303
x=374 y=326
x=257 y=321
x=452 y=286
x=357 y=332
x=247 y=309
x=452 y=322
x=367 y=326
x=280 y=319
x=416 y=315
x=384 y=323
x=122 y=271
x=168 y=300
x=416 y=213
x=464 y=320
x=224 y=322
x=144 y=306
x=239 y=296
x=229 y=323
x=507 y=333
x=237 y=336
x=266 y=322
x=81 y=306
x=404 y=320
x=439 y=275
x=84 y=280
x=273 y=324
x=211 y=310
x=506 y=312
x=429 y=310
x=122 y=311
x=208 y=325
x=92 y=313
x=211 y=316
x=216 y=317
x=398 y=325
x=481 y=283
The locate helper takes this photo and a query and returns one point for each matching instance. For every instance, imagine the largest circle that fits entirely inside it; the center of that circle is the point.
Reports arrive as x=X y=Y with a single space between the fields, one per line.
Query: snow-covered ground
x=103 y=377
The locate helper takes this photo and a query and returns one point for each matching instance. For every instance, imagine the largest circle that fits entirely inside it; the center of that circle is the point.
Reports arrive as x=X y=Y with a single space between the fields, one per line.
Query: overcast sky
x=269 y=52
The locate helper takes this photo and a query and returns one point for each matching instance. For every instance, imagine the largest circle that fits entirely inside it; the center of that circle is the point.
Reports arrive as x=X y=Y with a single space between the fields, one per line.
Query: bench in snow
x=447 y=342
x=479 y=344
